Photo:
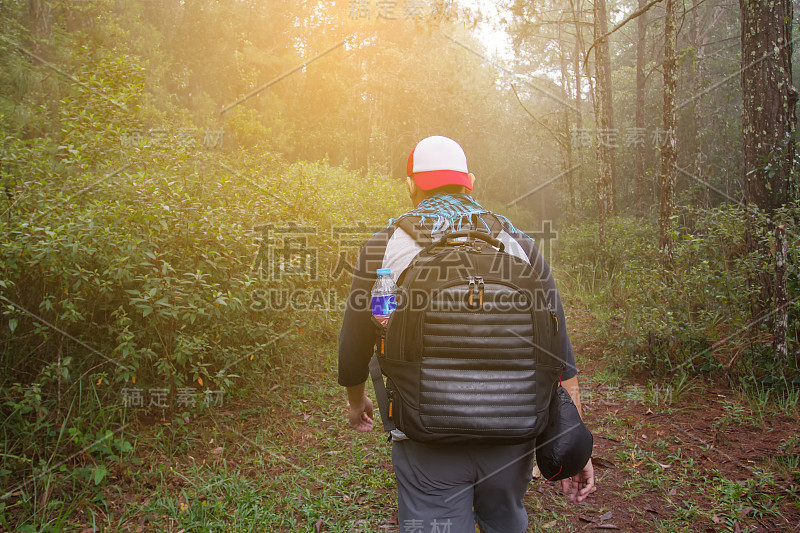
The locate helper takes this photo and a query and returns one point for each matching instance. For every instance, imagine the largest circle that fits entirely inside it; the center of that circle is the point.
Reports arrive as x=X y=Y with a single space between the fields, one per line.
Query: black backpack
x=469 y=352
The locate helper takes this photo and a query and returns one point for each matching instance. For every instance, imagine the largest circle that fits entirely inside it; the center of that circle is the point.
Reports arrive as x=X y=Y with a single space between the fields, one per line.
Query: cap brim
x=439 y=178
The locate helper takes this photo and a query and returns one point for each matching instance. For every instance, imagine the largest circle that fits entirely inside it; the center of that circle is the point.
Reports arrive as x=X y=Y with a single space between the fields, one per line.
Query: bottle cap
x=384 y=271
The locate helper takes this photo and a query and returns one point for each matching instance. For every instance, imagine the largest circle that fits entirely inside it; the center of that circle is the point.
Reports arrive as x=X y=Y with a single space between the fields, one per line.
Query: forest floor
x=684 y=456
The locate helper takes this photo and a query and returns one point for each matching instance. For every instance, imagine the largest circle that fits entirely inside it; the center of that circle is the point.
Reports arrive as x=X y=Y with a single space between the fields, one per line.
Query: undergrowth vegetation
x=695 y=315
x=143 y=277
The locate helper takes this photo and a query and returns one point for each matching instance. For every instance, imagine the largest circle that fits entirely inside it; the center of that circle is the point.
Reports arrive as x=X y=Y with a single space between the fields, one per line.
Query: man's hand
x=579 y=486
x=360 y=414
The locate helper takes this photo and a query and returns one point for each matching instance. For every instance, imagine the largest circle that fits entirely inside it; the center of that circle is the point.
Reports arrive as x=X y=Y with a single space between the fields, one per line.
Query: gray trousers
x=449 y=488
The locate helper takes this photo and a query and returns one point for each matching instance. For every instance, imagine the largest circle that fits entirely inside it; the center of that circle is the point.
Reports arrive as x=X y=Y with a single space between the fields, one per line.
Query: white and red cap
x=437 y=161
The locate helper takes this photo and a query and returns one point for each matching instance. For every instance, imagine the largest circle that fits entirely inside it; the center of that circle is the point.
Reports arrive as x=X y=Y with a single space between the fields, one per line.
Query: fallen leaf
x=744 y=512
x=649 y=412
x=200 y=381
x=662 y=465
x=550 y=524
x=217 y=451
x=607 y=516
x=650 y=510
x=606 y=526
x=584 y=519
x=716 y=519
x=673 y=492
x=318 y=525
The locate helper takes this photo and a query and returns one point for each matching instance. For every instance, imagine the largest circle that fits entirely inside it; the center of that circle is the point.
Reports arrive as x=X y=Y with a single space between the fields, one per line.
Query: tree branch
x=629 y=18
x=542 y=124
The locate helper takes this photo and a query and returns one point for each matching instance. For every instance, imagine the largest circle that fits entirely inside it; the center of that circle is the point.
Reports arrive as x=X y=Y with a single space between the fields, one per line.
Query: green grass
x=286 y=467
x=279 y=457
x=677 y=471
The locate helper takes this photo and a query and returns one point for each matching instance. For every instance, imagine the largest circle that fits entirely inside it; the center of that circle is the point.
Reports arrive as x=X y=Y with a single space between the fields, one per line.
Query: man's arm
x=579 y=486
x=357 y=337
x=359 y=408
x=574 y=391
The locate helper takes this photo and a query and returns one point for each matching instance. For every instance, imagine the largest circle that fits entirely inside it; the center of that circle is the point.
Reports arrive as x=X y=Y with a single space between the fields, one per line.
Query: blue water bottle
x=384 y=294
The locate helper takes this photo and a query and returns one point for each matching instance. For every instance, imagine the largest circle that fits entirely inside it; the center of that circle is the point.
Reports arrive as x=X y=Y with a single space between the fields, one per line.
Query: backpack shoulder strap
x=404 y=247
x=380 y=394
x=495 y=225
x=411 y=226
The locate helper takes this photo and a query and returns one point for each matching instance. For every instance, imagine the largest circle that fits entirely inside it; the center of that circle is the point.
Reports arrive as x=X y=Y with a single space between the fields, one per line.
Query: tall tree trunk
x=568 y=144
x=768 y=121
x=641 y=60
x=701 y=23
x=576 y=65
x=696 y=84
x=669 y=153
x=605 y=119
x=579 y=118
x=768 y=118
x=38 y=23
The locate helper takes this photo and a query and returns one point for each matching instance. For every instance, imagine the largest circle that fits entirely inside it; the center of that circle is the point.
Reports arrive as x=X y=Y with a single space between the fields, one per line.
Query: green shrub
x=145 y=279
x=695 y=315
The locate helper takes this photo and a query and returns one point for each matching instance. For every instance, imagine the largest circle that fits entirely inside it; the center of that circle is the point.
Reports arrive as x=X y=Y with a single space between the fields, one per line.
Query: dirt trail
x=687 y=456
x=680 y=456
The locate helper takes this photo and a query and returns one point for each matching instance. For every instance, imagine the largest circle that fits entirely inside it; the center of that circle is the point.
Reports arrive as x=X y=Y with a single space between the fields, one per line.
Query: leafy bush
x=142 y=274
x=696 y=314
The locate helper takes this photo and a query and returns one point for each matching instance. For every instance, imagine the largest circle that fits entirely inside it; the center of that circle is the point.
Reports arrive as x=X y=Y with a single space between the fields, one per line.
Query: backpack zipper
x=471 y=280
x=475 y=285
x=554 y=319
